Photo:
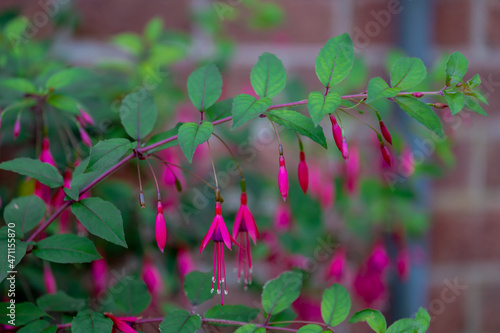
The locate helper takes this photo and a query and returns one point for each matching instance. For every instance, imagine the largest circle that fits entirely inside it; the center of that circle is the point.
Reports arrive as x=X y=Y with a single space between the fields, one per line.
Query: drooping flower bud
x=17 y=127
x=283 y=178
x=336 y=270
x=345 y=149
x=49 y=280
x=121 y=323
x=385 y=132
x=403 y=263
x=152 y=277
x=378 y=260
x=99 y=273
x=417 y=94
x=160 y=228
x=46 y=155
x=440 y=105
x=142 y=201
x=87 y=118
x=185 y=262
x=386 y=154
x=337 y=132
x=85 y=137
x=303 y=173
x=282 y=218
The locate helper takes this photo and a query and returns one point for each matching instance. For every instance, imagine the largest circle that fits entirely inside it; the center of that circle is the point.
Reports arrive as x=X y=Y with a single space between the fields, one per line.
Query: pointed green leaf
x=474 y=106
x=43 y=172
x=38 y=326
x=320 y=105
x=131 y=295
x=280 y=293
x=191 y=135
x=66 y=249
x=232 y=312
x=268 y=76
x=456 y=67
x=9 y=263
x=246 y=107
x=81 y=180
x=91 y=322
x=422 y=113
x=153 y=29
x=479 y=95
x=405 y=325
x=335 y=60
x=197 y=287
x=298 y=123
x=138 y=113
x=335 y=305
x=60 y=302
x=250 y=328
x=455 y=101
x=130 y=42
x=406 y=73
x=25 y=213
x=165 y=135
x=424 y=319
x=100 y=218
x=219 y=110
x=19 y=84
x=180 y=321
x=373 y=317
x=474 y=82
x=66 y=77
x=204 y=86
x=106 y=153
x=311 y=328
x=378 y=88
x=26 y=312
x=64 y=103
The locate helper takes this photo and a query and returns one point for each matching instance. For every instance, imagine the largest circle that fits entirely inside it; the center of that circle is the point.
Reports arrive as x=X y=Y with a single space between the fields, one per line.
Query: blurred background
x=457 y=260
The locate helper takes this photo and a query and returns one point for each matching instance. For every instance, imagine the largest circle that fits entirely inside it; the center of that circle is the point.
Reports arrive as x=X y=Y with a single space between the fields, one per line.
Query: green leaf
x=378 y=88
x=138 y=113
x=100 y=218
x=335 y=305
x=130 y=42
x=373 y=317
x=219 y=110
x=474 y=82
x=106 y=153
x=191 y=135
x=311 y=328
x=26 y=312
x=298 y=123
x=246 y=107
x=456 y=67
x=9 y=263
x=66 y=77
x=180 y=321
x=91 y=322
x=25 y=213
x=66 y=249
x=335 y=60
x=64 y=103
x=474 y=106
x=37 y=326
x=204 y=86
x=19 y=84
x=197 y=287
x=286 y=315
x=424 y=319
x=406 y=73
x=43 y=172
x=405 y=325
x=153 y=29
x=232 y=312
x=165 y=135
x=131 y=295
x=319 y=105
x=250 y=328
x=479 y=95
x=81 y=180
x=422 y=113
x=60 y=302
x=268 y=76
x=455 y=101
x=279 y=294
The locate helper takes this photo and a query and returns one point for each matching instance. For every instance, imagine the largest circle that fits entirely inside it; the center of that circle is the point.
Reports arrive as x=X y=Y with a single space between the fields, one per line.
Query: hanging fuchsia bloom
x=243 y=229
x=337 y=132
x=282 y=218
x=403 y=263
x=386 y=155
x=121 y=323
x=99 y=273
x=378 y=260
x=85 y=137
x=303 y=173
x=86 y=118
x=160 y=228
x=219 y=234
x=345 y=149
x=185 y=262
x=46 y=155
x=49 y=281
x=152 y=277
x=385 y=132
x=283 y=178
x=337 y=268
x=17 y=127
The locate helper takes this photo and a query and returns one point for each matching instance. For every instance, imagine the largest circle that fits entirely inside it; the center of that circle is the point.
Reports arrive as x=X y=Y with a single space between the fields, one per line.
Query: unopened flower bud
x=160 y=228
x=142 y=201
x=345 y=149
x=283 y=178
x=303 y=173
x=385 y=132
x=337 y=133
x=49 y=280
x=386 y=154
x=17 y=128
x=417 y=94
x=85 y=137
x=440 y=105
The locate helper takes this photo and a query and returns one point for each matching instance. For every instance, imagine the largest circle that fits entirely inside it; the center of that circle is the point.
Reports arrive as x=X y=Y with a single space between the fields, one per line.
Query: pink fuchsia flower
x=370 y=286
x=337 y=268
x=386 y=154
x=408 y=162
x=378 y=259
x=403 y=263
x=152 y=277
x=86 y=118
x=345 y=149
x=219 y=234
x=244 y=228
x=303 y=173
x=282 y=218
x=337 y=133
x=160 y=228
x=43 y=192
x=385 y=132
x=46 y=155
x=283 y=178
x=99 y=273
x=185 y=262
x=49 y=281
x=121 y=323
x=85 y=137
x=17 y=127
